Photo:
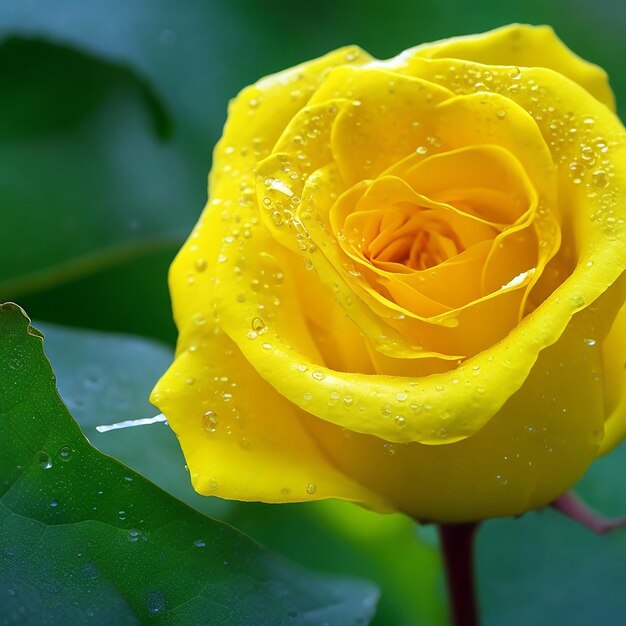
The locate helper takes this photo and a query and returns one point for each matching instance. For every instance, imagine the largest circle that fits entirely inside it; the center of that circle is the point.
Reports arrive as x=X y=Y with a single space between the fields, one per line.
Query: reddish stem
x=570 y=505
x=457 y=544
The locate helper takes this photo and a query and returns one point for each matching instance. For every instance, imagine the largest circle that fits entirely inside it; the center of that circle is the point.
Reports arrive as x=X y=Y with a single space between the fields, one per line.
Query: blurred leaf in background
x=108 y=116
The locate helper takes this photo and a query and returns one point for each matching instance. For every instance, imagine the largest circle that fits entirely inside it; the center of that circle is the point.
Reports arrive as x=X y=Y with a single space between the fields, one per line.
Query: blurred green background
x=109 y=110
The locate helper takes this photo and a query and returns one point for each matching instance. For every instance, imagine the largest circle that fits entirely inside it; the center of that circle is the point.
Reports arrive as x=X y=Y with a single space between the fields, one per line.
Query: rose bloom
x=405 y=290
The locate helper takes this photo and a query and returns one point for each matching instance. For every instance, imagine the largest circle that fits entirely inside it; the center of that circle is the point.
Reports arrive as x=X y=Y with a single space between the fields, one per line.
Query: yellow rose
x=403 y=288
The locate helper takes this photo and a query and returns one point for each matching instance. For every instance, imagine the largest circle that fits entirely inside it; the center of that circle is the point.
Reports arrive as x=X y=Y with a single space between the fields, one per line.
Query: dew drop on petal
x=400 y=421
x=210 y=421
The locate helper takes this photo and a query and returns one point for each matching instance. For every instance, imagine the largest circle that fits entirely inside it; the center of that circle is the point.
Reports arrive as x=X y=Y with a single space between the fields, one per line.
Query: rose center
x=418 y=241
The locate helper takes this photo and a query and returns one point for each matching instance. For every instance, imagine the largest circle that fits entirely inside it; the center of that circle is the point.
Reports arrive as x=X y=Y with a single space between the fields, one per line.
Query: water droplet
x=133 y=535
x=155 y=601
x=199 y=543
x=599 y=178
x=311 y=488
x=213 y=485
x=210 y=421
x=421 y=150
x=501 y=114
x=402 y=396
x=258 y=326
x=199 y=319
x=54 y=503
x=44 y=460
x=253 y=103
x=587 y=155
x=590 y=342
x=400 y=421
x=200 y=265
x=267 y=346
x=318 y=375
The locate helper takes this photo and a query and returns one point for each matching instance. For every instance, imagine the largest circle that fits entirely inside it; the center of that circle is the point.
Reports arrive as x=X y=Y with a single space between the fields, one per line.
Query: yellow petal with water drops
x=386 y=122
x=256 y=119
x=338 y=339
x=302 y=148
x=259 y=114
x=540 y=442
x=478 y=119
x=241 y=439
x=516 y=45
x=485 y=181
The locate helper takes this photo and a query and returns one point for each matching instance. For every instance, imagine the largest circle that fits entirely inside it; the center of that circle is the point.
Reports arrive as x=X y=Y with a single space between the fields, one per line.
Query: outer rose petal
x=241 y=439
x=539 y=444
x=522 y=45
x=256 y=119
x=613 y=375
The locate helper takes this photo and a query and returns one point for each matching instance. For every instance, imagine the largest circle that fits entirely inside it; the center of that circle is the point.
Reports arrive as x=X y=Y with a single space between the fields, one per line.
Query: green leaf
x=102 y=374
x=106 y=378
x=83 y=537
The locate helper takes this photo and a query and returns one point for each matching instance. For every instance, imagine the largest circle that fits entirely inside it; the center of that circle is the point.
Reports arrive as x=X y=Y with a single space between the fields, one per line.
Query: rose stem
x=457 y=544
x=570 y=505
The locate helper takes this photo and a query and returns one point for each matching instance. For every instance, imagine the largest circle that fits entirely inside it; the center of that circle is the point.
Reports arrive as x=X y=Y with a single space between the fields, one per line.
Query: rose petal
x=516 y=45
x=388 y=119
x=613 y=374
x=256 y=119
x=241 y=439
x=487 y=180
x=540 y=443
